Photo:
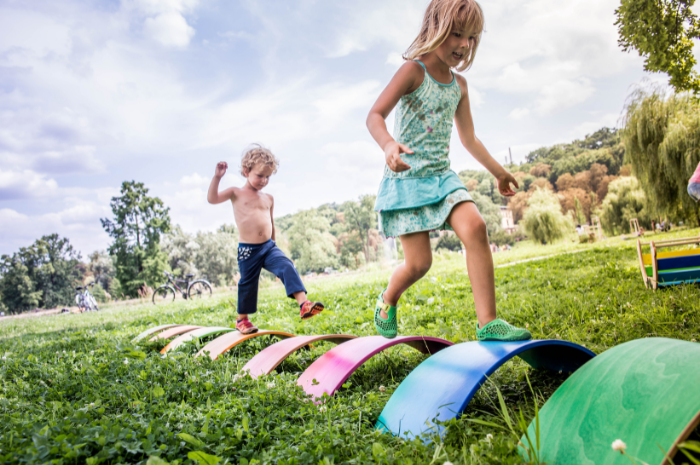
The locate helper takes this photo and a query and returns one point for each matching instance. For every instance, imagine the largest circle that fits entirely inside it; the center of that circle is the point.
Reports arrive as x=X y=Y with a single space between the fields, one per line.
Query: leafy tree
x=41 y=275
x=518 y=205
x=662 y=31
x=490 y=212
x=544 y=220
x=312 y=246
x=361 y=217
x=541 y=170
x=662 y=140
x=102 y=268
x=449 y=241
x=139 y=221
x=625 y=200
x=217 y=256
x=578 y=202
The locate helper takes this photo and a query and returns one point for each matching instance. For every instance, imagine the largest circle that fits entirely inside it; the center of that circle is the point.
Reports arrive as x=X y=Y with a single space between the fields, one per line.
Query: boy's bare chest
x=252 y=202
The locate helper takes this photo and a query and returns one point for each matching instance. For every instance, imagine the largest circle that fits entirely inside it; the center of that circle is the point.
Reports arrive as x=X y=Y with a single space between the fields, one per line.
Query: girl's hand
x=221 y=168
x=392 y=153
x=504 y=182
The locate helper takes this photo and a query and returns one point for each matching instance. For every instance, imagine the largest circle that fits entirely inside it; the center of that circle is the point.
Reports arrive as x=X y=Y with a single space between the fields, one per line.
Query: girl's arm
x=214 y=196
x=465 y=128
x=406 y=80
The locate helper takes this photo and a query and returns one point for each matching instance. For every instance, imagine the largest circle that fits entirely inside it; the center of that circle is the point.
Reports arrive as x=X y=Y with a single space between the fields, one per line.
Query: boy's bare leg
x=300 y=297
x=470 y=227
x=417 y=260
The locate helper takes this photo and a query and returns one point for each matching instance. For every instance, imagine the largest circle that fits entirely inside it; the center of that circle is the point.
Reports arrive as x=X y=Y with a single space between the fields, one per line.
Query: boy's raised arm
x=214 y=196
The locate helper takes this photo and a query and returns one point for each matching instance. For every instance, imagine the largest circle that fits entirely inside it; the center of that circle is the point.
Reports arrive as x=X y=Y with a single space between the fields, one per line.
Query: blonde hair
x=258 y=154
x=440 y=17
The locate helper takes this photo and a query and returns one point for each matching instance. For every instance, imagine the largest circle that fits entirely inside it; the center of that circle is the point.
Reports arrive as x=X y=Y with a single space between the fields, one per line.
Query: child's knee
x=418 y=270
x=476 y=229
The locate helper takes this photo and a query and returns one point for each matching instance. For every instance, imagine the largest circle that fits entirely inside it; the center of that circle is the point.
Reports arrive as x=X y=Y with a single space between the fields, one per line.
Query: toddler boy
x=252 y=210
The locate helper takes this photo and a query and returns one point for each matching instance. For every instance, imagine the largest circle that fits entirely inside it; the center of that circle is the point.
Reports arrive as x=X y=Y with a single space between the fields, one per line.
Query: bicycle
x=197 y=289
x=84 y=299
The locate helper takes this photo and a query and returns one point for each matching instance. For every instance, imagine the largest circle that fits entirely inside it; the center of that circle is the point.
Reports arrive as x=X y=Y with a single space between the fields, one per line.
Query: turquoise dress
x=421 y=198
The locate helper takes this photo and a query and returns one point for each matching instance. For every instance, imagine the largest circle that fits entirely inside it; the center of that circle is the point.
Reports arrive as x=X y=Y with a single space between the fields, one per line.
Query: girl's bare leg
x=417 y=260
x=470 y=227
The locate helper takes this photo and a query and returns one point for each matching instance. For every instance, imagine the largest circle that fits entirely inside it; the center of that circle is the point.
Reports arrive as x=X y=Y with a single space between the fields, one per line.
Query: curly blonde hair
x=258 y=154
x=440 y=17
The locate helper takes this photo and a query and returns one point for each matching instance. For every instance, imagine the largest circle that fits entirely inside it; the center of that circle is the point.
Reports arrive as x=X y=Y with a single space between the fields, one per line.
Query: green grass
x=74 y=389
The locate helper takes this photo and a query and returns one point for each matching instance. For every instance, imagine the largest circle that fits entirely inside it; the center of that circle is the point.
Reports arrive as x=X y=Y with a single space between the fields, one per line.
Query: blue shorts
x=694 y=190
x=254 y=257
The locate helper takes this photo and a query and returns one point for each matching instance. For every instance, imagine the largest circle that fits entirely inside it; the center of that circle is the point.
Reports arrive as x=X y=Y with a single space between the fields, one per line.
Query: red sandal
x=244 y=326
x=309 y=309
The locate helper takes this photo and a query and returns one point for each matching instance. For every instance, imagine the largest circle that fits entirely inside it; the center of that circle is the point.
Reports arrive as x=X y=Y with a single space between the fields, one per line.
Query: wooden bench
x=669 y=268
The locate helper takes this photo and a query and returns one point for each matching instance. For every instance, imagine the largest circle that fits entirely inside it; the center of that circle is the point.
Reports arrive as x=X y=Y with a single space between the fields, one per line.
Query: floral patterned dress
x=421 y=198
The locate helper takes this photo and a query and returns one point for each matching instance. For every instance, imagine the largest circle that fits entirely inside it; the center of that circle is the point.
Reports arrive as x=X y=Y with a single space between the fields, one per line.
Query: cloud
x=519 y=113
x=169 y=29
x=194 y=180
x=563 y=94
x=25 y=184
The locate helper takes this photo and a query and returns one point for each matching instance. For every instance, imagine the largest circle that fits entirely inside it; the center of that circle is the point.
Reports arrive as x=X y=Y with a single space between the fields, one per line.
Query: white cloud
x=169 y=29
x=563 y=94
x=519 y=113
x=25 y=184
x=194 y=180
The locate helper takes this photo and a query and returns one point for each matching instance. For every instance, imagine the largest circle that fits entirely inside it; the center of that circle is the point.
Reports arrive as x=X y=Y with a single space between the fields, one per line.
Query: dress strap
x=421 y=63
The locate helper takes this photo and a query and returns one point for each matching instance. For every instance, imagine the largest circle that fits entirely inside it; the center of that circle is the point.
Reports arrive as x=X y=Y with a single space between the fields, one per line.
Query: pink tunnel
x=335 y=366
x=267 y=359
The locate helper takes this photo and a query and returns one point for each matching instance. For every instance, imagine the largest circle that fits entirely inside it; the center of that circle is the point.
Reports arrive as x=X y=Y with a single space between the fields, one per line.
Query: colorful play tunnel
x=645 y=392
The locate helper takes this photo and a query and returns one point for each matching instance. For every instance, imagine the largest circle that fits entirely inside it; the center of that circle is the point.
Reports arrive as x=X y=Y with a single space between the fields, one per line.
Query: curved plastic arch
x=331 y=369
x=443 y=384
x=153 y=330
x=269 y=358
x=644 y=392
x=196 y=334
x=230 y=340
x=172 y=332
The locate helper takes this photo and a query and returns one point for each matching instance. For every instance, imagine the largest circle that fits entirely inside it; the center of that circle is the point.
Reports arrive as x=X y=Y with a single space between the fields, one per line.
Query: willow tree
x=662 y=142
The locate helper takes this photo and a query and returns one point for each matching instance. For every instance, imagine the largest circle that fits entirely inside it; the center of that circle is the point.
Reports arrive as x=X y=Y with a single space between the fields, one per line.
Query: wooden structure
x=669 y=268
x=634 y=227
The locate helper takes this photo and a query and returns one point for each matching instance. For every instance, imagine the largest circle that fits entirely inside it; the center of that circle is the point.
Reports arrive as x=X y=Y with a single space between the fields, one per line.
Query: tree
x=312 y=247
x=518 y=205
x=625 y=200
x=544 y=220
x=578 y=201
x=449 y=241
x=541 y=170
x=139 y=221
x=217 y=256
x=361 y=217
x=41 y=275
x=662 y=140
x=662 y=31
x=102 y=268
x=490 y=212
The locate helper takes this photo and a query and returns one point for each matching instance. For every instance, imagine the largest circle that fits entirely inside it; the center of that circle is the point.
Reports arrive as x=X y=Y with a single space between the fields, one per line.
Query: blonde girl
x=419 y=192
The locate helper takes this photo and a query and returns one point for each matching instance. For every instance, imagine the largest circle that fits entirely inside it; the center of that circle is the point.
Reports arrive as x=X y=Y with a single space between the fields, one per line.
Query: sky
x=94 y=93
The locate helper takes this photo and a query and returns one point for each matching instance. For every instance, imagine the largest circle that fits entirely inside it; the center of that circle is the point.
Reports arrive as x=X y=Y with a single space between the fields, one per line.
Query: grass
x=74 y=389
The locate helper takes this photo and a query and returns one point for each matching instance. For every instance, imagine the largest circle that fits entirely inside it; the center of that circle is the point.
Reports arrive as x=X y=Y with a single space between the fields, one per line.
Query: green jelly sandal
x=499 y=330
x=389 y=327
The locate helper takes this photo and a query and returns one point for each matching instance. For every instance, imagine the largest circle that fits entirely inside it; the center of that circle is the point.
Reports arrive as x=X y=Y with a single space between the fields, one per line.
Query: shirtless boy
x=252 y=210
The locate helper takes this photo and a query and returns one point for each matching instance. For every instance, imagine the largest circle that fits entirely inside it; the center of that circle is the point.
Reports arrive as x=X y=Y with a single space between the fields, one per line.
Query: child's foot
x=245 y=326
x=387 y=327
x=309 y=309
x=499 y=330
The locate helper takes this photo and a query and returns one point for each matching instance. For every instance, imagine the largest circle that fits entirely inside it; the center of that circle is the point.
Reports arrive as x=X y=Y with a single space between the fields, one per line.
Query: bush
x=501 y=237
x=449 y=241
x=544 y=221
x=625 y=200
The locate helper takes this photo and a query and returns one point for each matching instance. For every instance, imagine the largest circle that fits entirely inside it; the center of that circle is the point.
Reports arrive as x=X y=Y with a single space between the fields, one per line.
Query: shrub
x=625 y=200
x=544 y=221
x=449 y=241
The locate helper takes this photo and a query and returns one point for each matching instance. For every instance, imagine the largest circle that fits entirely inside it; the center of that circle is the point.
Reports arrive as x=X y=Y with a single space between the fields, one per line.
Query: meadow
x=74 y=389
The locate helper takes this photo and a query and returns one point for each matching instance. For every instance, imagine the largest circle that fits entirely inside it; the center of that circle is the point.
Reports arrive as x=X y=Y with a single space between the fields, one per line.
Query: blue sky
x=93 y=93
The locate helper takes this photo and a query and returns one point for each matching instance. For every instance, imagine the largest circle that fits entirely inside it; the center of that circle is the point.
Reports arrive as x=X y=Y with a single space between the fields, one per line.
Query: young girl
x=419 y=193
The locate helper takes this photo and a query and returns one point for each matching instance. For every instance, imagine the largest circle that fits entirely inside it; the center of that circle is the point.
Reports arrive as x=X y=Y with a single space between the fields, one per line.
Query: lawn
x=76 y=390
